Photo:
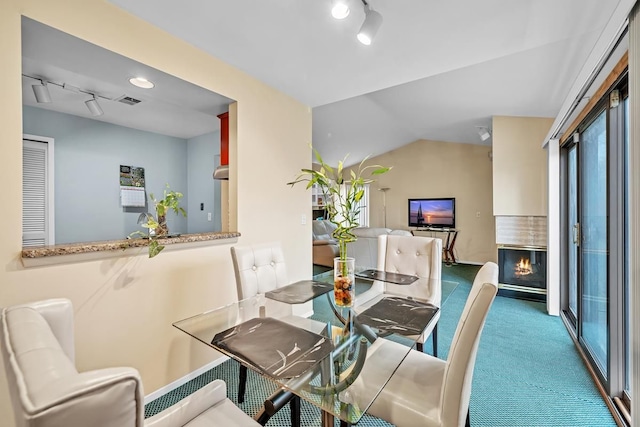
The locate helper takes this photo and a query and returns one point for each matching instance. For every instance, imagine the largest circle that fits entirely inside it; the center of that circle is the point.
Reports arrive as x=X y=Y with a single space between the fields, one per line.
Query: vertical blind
x=34 y=193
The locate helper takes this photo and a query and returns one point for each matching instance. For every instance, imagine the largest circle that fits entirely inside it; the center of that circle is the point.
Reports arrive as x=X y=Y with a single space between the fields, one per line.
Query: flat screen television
x=432 y=213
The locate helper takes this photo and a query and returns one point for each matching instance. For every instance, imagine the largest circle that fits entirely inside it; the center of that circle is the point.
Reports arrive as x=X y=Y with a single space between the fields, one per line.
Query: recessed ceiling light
x=141 y=82
x=340 y=9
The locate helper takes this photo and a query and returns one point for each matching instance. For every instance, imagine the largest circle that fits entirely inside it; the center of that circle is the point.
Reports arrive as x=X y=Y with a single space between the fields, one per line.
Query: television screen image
x=438 y=213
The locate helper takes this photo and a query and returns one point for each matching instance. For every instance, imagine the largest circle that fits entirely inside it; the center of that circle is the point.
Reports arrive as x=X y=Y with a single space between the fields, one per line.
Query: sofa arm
x=190 y=407
x=100 y=398
x=324 y=242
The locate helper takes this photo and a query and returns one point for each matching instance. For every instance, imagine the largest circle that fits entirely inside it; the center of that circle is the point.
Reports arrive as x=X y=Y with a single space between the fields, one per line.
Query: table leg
x=327 y=419
x=446 y=249
x=451 y=246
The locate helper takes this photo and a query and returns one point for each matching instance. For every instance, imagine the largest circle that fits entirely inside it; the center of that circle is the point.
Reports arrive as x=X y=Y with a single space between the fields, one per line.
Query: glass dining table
x=315 y=358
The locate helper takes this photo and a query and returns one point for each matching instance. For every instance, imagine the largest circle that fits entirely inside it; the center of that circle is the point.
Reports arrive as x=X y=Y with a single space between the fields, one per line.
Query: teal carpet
x=528 y=372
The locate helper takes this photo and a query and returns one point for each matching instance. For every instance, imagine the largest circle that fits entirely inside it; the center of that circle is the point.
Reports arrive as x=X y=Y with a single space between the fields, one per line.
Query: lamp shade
x=41 y=91
x=370 y=26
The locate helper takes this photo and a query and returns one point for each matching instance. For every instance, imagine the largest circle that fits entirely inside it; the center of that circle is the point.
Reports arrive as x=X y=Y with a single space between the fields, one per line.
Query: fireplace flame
x=523 y=267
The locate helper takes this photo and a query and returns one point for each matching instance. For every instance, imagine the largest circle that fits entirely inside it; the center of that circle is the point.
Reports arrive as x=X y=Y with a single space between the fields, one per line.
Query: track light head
x=370 y=26
x=340 y=9
x=484 y=133
x=94 y=107
x=41 y=91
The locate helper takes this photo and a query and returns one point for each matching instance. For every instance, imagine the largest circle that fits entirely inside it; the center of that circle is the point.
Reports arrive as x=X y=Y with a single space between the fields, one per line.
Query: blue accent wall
x=88 y=154
x=203 y=156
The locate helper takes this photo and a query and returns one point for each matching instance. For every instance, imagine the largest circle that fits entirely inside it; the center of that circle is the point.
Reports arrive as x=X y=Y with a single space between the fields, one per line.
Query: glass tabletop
x=317 y=359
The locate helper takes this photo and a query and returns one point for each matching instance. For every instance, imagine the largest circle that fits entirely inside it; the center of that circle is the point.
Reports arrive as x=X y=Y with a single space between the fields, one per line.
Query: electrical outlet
x=208 y=216
x=478 y=214
x=303 y=219
x=201 y=206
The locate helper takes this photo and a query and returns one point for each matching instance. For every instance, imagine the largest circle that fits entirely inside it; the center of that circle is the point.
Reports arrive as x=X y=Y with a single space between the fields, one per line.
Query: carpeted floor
x=528 y=372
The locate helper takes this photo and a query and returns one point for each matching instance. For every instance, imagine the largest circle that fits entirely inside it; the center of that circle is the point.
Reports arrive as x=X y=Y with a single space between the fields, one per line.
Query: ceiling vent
x=128 y=100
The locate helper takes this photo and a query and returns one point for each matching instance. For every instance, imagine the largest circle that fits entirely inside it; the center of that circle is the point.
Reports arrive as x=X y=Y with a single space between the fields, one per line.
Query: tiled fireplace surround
x=522 y=245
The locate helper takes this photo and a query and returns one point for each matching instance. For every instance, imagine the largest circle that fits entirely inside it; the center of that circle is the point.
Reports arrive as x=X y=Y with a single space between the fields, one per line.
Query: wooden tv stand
x=449 y=242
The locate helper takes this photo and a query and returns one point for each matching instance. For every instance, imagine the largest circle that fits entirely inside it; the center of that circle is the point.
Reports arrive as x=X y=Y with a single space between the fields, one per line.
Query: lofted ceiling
x=436 y=70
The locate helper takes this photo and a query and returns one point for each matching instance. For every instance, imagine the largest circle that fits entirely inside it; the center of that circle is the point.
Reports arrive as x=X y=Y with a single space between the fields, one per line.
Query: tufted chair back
x=259 y=268
x=458 y=375
x=414 y=255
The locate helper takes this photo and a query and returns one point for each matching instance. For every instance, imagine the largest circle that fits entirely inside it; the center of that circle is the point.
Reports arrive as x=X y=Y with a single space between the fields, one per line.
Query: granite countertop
x=119 y=245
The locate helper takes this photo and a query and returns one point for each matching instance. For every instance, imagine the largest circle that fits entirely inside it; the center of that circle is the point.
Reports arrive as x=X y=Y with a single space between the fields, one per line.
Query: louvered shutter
x=34 y=194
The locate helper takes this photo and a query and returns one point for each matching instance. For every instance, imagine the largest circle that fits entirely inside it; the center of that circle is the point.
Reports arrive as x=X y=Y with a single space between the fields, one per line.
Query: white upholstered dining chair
x=261 y=268
x=37 y=342
x=413 y=255
x=424 y=390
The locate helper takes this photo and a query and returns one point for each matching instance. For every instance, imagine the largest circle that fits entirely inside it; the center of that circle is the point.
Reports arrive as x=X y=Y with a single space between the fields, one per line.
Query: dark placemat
x=396 y=315
x=279 y=349
x=299 y=292
x=386 y=276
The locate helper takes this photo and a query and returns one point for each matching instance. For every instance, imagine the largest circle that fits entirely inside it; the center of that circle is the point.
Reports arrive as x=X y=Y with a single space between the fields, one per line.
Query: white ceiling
x=173 y=107
x=436 y=69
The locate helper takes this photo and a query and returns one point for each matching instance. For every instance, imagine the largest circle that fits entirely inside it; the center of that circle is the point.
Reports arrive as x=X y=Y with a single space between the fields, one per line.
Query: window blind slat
x=34 y=194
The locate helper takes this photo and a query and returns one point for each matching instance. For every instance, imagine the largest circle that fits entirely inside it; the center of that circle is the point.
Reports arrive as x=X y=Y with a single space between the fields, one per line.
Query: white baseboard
x=177 y=383
x=466 y=262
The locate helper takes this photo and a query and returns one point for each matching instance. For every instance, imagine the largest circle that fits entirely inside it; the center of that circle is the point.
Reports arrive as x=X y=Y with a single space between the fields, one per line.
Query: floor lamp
x=384 y=203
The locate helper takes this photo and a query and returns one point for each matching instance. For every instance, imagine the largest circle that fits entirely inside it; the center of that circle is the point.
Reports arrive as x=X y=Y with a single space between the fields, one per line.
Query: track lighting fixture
x=42 y=94
x=94 y=107
x=372 y=19
x=340 y=9
x=370 y=26
x=41 y=91
x=484 y=133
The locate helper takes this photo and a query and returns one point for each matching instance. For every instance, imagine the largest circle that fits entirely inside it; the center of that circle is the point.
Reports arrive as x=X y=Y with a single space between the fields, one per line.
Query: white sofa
x=37 y=344
x=325 y=248
x=365 y=249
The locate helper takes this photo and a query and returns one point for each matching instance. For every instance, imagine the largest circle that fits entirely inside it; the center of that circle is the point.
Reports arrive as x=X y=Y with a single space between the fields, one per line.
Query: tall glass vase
x=344 y=281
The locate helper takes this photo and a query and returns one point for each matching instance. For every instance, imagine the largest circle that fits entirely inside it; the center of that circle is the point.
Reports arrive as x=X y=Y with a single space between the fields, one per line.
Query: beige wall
x=125 y=306
x=440 y=169
x=520 y=166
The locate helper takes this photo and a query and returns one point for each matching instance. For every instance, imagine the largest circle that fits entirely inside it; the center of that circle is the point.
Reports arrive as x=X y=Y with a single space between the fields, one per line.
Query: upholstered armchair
x=46 y=390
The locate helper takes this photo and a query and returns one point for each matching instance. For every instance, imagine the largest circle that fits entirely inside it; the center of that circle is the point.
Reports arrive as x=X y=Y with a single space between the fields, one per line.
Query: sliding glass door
x=596 y=287
x=593 y=240
x=573 y=230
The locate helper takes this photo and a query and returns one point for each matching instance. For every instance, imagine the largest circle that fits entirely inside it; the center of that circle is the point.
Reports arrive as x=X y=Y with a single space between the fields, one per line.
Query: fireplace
x=523 y=272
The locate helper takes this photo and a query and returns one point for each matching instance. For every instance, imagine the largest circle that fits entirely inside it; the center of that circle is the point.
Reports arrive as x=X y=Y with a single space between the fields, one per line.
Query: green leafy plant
x=158 y=227
x=171 y=201
x=343 y=191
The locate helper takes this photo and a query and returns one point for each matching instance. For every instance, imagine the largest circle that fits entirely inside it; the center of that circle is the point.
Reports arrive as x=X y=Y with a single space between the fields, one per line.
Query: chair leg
x=420 y=347
x=294 y=405
x=434 y=339
x=242 y=383
x=262 y=417
x=468 y=422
